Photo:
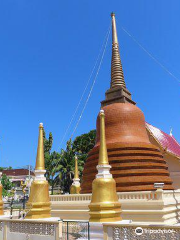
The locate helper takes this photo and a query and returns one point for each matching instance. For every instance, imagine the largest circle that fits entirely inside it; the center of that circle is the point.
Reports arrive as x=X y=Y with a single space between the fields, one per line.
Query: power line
x=82 y=96
x=89 y=95
x=150 y=55
x=107 y=37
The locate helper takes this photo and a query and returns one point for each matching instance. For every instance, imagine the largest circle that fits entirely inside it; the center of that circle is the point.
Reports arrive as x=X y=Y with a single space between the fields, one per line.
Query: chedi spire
x=118 y=92
x=40 y=164
x=117 y=75
x=75 y=187
x=103 y=157
x=38 y=205
x=104 y=206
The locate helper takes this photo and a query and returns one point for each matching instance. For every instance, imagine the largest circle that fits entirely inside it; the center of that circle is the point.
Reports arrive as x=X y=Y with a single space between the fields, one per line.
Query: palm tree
x=52 y=161
x=60 y=166
x=66 y=166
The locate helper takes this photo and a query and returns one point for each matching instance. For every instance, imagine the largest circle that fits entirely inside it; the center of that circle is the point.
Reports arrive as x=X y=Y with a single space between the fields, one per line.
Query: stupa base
x=38 y=211
x=1 y=208
x=75 y=189
x=39 y=204
x=106 y=212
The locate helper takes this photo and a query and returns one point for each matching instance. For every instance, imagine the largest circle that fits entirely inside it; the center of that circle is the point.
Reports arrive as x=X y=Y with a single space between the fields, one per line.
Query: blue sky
x=48 y=50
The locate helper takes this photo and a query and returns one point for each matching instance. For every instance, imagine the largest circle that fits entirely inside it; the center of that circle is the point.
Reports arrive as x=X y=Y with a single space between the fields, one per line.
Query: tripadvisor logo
x=139 y=231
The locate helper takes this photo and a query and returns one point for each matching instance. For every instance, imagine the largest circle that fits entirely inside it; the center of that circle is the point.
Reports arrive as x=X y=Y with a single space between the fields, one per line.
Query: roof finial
x=171 y=132
x=103 y=157
x=117 y=76
x=40 y=165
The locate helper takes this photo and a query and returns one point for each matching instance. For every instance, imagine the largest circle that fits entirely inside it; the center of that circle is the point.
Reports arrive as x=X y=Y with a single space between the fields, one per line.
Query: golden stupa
x=104 y=206
x=75 y=187
x=39 y=201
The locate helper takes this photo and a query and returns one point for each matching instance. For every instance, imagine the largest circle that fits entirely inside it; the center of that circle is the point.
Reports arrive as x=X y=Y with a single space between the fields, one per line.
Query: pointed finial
x=171 y=132
x=103 y=156
x=117 y=76
x=40 y=165
x=76 y=172
x=114 y=30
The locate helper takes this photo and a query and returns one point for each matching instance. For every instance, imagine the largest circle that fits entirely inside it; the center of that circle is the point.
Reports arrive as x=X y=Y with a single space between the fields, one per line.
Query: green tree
x=6 y=183
x=47 y=142
x=9 y=168
x=49 y=160
x=81 y=147
x=5 y=168
x=65 y=168
x=85 y=142
x=47 y=149
x=51 y=169
x=60 y=166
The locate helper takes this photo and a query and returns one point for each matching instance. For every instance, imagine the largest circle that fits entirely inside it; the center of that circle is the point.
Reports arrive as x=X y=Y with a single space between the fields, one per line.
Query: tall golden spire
x=39 y=204
x=103 y=157
x=1 y=201
x=76 y=172
x=40 y=165
x=117 y=76
x=104 y=206
x=75 y=187
x=118 y=93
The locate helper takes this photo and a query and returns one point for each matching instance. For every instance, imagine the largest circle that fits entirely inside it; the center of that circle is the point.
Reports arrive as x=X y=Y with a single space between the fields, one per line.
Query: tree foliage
x=5 y=168
x=51 y=163
x=84 y=143
x=81 y=147
x=50 y=160
x=7 y=184
x=60 y=166
x=47 y=142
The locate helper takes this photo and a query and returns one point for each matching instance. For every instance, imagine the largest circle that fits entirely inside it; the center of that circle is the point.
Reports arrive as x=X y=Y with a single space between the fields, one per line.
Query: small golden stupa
x=104 y=206
x=1 y=201
x=39 y=201
x=75 y=187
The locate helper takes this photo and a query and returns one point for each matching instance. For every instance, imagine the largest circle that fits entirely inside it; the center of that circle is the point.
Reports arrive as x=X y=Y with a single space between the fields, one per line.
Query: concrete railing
x=71 y=197
x=170 y=193
x=148 y=195
x=143 y=195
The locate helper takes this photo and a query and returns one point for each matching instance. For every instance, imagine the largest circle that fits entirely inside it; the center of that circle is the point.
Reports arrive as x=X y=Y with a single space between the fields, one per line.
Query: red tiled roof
x=166 y=141
x=17 y=172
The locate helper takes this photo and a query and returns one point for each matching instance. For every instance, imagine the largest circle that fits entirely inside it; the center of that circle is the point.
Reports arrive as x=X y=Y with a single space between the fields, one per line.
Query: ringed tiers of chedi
x=136 y=163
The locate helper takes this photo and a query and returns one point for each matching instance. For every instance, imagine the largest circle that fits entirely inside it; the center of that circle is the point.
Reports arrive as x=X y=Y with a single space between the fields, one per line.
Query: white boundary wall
x=121 y=231
x=29 y=229
x=1 y=230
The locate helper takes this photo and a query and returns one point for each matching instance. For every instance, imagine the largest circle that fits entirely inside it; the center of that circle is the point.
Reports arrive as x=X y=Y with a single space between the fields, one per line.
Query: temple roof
x=166 y=141
x=17 y=172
